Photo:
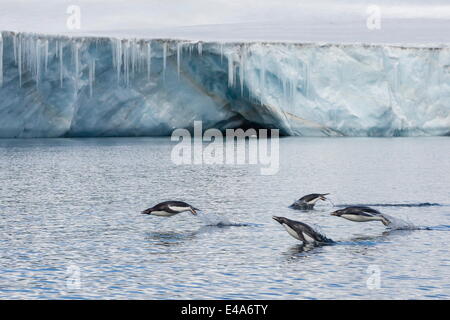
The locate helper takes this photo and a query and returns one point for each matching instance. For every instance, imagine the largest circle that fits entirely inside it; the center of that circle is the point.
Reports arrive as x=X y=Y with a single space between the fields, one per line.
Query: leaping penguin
x=307 y=202
x=302 y=231
x=170 y=208
x=361 y=214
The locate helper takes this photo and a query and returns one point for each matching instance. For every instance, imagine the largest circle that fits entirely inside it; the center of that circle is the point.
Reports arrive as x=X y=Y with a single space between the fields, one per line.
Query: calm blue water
x=71 y=225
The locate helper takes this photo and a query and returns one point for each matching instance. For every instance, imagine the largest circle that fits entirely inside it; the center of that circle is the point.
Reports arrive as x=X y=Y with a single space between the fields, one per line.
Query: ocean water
x=71 y=228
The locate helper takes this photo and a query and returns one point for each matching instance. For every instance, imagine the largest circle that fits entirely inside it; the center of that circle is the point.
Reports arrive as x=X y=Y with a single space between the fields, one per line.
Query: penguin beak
x=146 y=212
x=277 y=219
x=335 y=213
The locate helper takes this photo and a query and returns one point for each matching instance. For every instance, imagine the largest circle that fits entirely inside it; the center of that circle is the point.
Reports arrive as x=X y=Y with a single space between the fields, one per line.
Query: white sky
x=253 y=17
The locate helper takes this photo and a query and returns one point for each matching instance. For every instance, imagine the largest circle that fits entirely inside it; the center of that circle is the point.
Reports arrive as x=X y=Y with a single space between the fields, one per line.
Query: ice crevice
x=60 y=86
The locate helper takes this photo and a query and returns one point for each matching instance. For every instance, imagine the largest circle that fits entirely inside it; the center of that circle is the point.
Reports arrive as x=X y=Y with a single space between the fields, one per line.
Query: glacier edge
x=59 y=86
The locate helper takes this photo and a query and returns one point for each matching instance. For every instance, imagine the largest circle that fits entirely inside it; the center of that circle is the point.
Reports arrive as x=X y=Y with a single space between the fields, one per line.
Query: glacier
x=94 y=86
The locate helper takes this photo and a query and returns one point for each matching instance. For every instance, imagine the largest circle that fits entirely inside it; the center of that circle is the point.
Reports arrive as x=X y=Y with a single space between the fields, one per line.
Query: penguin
x=302 y=231
x=307 y=202
x=170 y=208
x=361 y=214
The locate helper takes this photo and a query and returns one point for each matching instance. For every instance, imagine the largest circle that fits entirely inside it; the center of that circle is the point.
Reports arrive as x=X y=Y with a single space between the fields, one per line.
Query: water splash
x=331 y=202
x=319 y=230
x=400 y=224
x=298 y=205
x=212 y=219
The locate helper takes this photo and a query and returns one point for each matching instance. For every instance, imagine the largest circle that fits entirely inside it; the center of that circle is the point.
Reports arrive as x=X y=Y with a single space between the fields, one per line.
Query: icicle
x=32 y=50
x=221 y=53
x=125 y=61
x=77 y=65
x=38 y=62
x=178 y=58
x=133 y=55
x=230 y=71
x=138 y=56
x=164 y=59
x=27 y=54
x=19 y=65
x=149 y=59
x=118 y=59
x=113 y=53
x=143 y=54
x=45 y=56
x=31 y=56
x=1 y=60
x=200 y=48
x=61 y=60
x=15 y=48
x=242 y=69
x=91 y=76
x=129 y=61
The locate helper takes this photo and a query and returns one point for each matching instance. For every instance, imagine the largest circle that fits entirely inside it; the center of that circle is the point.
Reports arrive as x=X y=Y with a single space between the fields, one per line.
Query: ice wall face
x=65 y=87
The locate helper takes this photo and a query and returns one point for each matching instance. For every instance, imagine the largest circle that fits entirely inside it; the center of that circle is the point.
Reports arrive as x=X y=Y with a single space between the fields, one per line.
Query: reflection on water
x=301 y=251
x=168 y=238
x=74 y=204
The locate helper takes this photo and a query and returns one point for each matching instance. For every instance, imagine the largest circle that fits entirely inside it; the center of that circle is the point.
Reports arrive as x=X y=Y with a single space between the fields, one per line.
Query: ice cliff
x=59 y=86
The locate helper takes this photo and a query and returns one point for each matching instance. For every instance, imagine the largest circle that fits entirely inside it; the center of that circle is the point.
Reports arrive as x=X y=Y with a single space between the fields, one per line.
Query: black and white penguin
x=170 y=208
x=307 y=202
x=302 y=231
x=361 y=214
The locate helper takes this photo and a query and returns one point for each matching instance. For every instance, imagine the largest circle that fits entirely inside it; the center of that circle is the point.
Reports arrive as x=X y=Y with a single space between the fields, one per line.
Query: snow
x=344 y=21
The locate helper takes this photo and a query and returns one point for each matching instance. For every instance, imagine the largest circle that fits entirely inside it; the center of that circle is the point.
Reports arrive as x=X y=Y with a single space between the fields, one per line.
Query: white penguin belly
x=358 y=218
x=179 y=209
x=313 y=201
x=291 y=232
x=162 y=213
x=308 y=238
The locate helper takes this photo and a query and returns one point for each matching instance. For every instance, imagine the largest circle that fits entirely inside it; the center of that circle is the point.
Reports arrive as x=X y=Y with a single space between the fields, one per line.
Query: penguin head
x=193 y=210
x=337 y=213
x=147 y=211
x=280 y=220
